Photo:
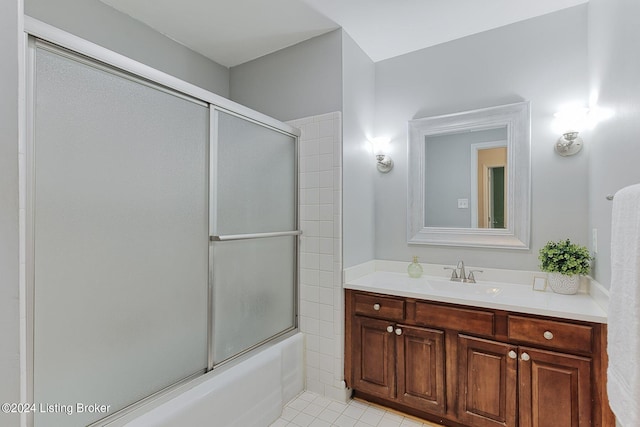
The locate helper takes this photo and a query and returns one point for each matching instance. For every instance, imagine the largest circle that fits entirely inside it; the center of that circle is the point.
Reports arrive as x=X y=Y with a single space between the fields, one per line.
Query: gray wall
x=9 y=243
x=358 y=87
x=105 y=26
x=542 y=60
x=300 y=81
x=614 y=146
x=447 y=178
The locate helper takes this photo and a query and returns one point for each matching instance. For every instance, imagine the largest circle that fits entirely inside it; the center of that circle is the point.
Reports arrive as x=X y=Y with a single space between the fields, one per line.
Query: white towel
x=623 y=383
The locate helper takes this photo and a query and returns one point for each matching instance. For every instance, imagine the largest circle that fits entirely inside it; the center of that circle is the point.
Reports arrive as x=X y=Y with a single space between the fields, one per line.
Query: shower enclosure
x=254 y=224
x=162 y=235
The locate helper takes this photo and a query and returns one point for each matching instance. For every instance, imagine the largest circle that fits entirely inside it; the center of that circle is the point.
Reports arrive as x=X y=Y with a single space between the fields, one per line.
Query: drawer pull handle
x=513 y=355
x=376 y=307
x=389 y=328
x=548 y=335
x=525 y=357
x=398 y=331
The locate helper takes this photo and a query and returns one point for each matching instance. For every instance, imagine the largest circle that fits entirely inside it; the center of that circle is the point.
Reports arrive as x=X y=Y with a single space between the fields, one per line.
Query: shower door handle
x=228 y=237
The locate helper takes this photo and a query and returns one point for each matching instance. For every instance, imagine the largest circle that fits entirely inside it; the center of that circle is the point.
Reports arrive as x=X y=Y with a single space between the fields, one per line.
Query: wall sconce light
x=380 y=146
x=568 y=144
x=571 y=121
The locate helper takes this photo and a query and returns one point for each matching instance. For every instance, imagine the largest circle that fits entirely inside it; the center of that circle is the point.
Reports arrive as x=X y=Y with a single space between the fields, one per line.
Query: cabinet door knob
x=398 y=331
x=513 y=355
x=548 y=335
x=389 y=328
x=525 y=357
x=376 y=307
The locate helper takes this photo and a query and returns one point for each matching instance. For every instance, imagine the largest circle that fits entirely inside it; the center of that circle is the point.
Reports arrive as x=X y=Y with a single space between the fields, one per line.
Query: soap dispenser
x=414 y=269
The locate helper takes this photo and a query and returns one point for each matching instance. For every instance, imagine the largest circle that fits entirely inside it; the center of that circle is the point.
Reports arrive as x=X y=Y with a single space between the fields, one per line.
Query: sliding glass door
x=120 y=225
x=254 y=234
x=162 y=236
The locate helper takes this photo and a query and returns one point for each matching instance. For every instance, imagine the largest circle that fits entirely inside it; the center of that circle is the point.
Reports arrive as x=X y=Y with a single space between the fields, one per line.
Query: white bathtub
x=249 y=394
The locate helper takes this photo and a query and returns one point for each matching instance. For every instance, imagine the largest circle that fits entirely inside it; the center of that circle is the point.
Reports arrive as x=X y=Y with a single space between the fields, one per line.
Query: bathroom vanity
x=485 y=363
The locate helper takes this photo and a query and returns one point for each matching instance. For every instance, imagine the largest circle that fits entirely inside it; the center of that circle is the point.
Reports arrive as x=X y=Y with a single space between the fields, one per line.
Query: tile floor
x=312 y=410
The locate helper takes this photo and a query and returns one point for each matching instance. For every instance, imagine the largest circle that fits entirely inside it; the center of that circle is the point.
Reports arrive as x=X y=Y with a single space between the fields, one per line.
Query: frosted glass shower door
x=254 y=225
x=120 y=236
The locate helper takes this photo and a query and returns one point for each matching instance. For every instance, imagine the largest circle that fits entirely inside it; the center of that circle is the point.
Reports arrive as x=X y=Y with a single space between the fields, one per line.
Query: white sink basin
x=464 y=288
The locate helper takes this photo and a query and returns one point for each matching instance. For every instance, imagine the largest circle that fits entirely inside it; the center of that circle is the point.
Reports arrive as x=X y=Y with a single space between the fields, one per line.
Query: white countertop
x=497 y=295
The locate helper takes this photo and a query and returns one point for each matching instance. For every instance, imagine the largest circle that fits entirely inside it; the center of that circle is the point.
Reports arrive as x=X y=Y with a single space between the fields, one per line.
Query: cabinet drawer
x=549 y=333
x=379 y=306
x=459 y=319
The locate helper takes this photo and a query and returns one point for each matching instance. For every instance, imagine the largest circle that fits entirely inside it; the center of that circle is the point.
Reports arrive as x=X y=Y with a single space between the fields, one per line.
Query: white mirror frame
x=516 y=118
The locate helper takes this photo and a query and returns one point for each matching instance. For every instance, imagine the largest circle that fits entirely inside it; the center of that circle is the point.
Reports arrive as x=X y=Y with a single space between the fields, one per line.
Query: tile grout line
x=310 y=409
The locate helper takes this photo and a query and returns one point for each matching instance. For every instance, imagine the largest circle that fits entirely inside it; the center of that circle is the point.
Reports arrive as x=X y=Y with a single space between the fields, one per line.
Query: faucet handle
x=471 y=277
x=454 y=274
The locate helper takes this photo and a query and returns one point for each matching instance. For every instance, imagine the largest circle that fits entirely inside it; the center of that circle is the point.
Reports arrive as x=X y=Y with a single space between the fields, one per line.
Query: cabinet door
x=486 y=383
x=554 y=389
x=373 y=356
x=420 y=368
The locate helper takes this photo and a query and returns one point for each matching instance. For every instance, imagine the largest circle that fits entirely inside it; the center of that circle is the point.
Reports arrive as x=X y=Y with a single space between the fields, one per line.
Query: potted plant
x=565 y=262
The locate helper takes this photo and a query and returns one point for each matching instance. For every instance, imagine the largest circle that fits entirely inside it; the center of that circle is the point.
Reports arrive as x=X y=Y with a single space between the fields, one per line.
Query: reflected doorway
x=492 y=187
x=495 y=205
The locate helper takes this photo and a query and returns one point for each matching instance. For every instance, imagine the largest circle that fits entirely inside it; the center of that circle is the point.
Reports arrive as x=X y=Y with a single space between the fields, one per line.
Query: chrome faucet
x=461 y=275
x=458 y=274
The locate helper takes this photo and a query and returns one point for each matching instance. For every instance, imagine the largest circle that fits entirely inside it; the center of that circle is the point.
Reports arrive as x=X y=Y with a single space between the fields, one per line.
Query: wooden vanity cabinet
x=373 y=348
x=394 y=361
x=463 y=366
x=420 y=368
x=487 y=383
x=554 y=389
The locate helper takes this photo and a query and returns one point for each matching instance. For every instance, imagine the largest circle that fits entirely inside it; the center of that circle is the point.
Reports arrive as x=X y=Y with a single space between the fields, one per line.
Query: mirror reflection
x=469 y=178
x=466 y=179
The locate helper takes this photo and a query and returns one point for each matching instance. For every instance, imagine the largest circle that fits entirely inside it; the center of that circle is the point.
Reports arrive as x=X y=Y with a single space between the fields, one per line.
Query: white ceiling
x=232 y=32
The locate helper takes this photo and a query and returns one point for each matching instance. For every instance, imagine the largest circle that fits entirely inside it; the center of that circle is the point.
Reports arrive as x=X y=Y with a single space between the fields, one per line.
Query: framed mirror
x=469 y=178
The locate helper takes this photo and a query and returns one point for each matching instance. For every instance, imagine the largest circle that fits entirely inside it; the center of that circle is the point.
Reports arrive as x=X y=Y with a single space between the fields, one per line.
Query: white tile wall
x=321 y=294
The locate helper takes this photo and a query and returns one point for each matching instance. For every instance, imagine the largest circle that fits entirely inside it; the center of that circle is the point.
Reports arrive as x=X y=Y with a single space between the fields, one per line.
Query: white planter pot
x=562 y=284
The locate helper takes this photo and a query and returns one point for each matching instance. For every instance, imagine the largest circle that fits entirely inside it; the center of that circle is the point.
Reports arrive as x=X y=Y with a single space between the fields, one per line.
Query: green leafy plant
x=565 y=257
